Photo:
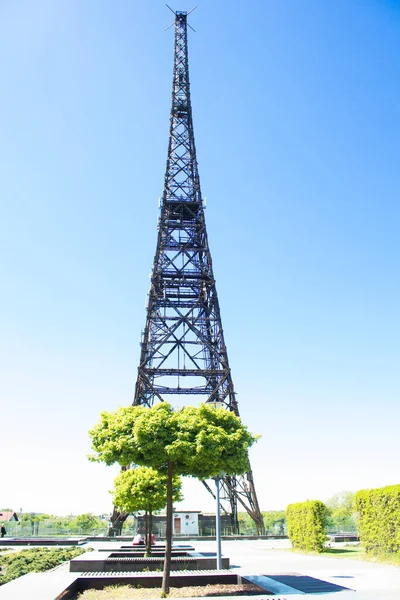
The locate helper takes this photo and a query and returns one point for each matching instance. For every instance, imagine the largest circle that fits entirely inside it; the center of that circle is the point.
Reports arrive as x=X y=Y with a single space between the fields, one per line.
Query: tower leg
x=117 y=520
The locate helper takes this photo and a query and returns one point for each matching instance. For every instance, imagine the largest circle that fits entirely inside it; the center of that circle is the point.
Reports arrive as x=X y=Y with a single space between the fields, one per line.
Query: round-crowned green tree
x=87 y=522
x=194 y=441
x=144 y=488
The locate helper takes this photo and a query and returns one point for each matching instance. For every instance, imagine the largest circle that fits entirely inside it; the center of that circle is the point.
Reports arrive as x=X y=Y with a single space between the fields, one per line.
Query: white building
x=186 y=523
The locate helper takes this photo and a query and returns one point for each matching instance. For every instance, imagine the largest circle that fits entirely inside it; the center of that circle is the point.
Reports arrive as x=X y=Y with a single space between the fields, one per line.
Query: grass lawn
x=354 y=552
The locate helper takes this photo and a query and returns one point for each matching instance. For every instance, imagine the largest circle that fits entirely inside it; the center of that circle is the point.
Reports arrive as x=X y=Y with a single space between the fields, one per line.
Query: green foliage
x=27 y=517
x=63 y=523
x=209 y=441
x=87 y=522
x=196 y=441
x=378 y=515
x=341 y=512
x=275 y=521
x=50 y=526
x=199 y=441
x=34 y=560
x=129 y=523
x=343 y=501
x=143 y=488
x=306 y=525
x=33 y=518
x=113 y=437
x=246 y=523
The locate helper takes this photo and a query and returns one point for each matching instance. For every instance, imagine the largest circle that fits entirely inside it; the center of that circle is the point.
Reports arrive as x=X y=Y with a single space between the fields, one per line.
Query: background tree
x=341 y=512
x=246 y=523
x=144 y=488
x=275 y=521
x=87 y=522
x=129 y=523
x=34 y=520
x=60 y=524
x=195 y=441
x=27 y=517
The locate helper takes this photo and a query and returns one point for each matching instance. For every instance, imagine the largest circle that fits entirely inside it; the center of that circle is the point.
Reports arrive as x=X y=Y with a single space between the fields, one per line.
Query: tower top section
x=181 y=15
x=181 y=183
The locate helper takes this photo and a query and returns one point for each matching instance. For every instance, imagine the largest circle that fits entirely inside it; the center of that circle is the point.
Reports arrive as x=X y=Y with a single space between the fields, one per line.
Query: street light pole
x=218 y=526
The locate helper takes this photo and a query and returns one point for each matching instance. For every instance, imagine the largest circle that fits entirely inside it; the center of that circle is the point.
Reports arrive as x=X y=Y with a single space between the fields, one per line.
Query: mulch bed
x=127 y=592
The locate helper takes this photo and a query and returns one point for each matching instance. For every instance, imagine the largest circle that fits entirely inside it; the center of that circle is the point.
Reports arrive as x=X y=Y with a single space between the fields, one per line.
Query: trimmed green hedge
x=379 y=519
x=306 y=525
x=34 y=560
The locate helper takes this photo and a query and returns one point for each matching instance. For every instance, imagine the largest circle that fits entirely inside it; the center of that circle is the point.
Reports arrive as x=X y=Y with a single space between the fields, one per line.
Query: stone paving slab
x=42 y=541
x=37 y=586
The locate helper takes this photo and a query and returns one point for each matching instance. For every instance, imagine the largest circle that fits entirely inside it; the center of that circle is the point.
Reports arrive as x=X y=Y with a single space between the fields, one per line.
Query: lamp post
x=217 y=480
x=218 y=404
x=218 y=527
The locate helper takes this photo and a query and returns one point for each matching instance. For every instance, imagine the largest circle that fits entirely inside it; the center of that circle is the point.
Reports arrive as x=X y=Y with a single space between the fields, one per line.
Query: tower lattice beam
x=183 y=351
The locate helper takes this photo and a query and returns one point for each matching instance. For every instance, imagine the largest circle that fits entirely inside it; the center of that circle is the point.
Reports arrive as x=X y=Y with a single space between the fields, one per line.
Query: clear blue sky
x=297 y=123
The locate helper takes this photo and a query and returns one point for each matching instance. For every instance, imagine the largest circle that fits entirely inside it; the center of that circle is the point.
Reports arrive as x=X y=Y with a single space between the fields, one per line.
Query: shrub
x=34 y=560
x=378 y=515
x=306 y=525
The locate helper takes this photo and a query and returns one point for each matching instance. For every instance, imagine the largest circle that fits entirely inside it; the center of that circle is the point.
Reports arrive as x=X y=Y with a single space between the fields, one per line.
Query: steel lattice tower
x=183 y=351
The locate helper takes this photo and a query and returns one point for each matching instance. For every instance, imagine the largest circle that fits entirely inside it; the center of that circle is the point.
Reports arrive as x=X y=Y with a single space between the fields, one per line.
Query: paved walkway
x=367 y=581
x=370 y=581
x=38 y=586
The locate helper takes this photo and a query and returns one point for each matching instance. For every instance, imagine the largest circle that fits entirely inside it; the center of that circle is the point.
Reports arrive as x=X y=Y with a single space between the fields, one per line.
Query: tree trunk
x=146 y=527
x=168 y=533
x=149 y=528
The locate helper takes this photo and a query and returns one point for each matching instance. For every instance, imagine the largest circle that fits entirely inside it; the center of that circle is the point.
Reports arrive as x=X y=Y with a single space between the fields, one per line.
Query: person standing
x=3 y=530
